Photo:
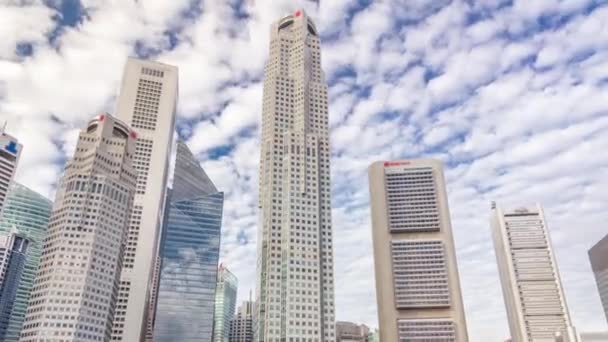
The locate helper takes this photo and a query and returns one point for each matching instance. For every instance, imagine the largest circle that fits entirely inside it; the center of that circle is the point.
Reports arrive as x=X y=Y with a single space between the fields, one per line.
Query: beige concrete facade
x=417 y=282
x=147 y=101
x=532 y=289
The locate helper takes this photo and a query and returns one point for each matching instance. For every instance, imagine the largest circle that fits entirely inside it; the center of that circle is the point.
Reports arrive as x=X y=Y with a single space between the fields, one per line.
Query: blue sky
x=509 y=94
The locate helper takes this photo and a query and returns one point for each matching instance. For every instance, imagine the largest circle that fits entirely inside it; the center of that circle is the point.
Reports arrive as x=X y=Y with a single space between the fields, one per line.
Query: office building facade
x=532 y=289
x=10 y=150
x=225 y=303
x=28 y=212
x=189 y=255
x=75 y=292
x=241 y=326
x=147 y=102
x=417 y=283
x=14 y=250
x=351 y=332
x=295 y=285
x=598 y=256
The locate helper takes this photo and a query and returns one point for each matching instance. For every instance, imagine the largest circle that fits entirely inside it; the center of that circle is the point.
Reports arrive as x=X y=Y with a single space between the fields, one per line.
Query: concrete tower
x=531 y=286
x=10 y=150
x=417 y=282
x=76 y=287
x=295 y=286
x=147 y=102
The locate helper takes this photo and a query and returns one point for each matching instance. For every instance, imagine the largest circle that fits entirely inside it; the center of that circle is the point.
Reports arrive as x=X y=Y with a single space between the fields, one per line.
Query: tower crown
x=298 y=15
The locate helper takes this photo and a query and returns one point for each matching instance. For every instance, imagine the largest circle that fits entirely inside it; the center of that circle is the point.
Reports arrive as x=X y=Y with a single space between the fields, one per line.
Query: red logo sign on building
x=399 y=163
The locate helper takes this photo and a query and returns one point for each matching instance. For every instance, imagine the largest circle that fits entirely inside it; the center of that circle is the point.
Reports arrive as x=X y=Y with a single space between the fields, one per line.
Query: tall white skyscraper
x=532 y=289
x=417 y=281
x=295 y=292
x=76 y=287
x=10 y=150
x=147 y=102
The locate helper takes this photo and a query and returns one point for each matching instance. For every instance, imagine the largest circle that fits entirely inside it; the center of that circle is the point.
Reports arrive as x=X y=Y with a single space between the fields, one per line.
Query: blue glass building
x=189 y=254
x=29 y=212
x=13 y=254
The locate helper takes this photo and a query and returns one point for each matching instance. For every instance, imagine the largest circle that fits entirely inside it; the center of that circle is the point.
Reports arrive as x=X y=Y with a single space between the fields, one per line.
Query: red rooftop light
x=102 y=117
x=133 y=135
x=298 y=13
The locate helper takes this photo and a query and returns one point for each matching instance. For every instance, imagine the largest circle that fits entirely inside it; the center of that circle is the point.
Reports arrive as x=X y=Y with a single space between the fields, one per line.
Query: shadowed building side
x=598 y=256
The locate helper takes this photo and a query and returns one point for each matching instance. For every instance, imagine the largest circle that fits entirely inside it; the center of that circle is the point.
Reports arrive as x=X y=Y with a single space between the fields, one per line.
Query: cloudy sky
x=510 y=94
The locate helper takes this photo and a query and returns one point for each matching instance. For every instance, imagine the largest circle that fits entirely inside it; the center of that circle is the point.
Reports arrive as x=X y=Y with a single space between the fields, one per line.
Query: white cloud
x=29 y=23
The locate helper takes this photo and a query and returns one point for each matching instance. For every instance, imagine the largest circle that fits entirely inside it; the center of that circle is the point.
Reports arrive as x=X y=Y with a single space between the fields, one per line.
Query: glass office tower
x=13 y=254
x=189 y=253
x=29 y=212
x=225 y=303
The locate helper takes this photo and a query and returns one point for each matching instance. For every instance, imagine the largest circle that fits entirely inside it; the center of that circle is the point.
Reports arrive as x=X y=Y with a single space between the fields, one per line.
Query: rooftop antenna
x=3 y=127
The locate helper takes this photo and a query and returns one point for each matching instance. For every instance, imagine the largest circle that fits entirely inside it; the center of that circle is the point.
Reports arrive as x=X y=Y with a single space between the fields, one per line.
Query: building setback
x=76 y=287
x=241 y=326
x=10 y=150
x=417 y=282
x=14 y=251
x=532 y=289
x=225 y=302
x=29 y=212
x=295 y=285
x=189 y=254
x=147 y=101
x=598 y=256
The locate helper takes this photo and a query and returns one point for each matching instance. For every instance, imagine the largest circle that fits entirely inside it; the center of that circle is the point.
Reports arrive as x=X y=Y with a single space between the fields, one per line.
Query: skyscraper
x=598 y=256
x=13 y=255
x=241 y=325
x=225 y=302
x=531 y=286
x=295 y=285
x=417 y=282
x=189 y=253
x=76 y=287
x=29 y=212
x=10 y=150
x=147 y=102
